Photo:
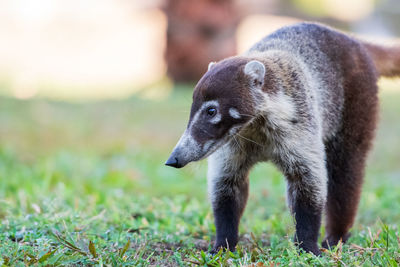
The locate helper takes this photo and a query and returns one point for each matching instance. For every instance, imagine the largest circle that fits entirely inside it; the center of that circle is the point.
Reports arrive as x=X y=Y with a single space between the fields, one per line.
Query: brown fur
x=347 y=150
x=386 y=58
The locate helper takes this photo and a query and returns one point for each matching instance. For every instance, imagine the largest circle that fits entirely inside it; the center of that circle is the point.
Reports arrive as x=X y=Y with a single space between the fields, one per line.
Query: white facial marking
x=205 y=105
x=234 y=113
x=188 y=145
x=211 y=103
x=216 y=119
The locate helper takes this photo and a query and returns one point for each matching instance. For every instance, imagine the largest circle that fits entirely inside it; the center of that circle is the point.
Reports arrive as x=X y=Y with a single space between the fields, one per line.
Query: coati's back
x=327 y=59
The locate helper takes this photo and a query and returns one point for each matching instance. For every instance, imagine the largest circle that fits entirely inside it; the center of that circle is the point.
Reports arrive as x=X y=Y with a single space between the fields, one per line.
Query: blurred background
x=95 y=93
x=97 y=49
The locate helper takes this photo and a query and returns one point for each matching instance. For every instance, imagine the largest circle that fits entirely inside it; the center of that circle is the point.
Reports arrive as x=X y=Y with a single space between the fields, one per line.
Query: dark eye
x=211 y=111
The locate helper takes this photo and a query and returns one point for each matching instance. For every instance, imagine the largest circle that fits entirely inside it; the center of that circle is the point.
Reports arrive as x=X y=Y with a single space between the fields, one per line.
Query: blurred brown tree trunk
x=199 y=31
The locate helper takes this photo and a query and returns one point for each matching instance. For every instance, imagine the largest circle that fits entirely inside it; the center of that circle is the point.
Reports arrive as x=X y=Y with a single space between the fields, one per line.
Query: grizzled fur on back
x=322 y=61
x=304 y=98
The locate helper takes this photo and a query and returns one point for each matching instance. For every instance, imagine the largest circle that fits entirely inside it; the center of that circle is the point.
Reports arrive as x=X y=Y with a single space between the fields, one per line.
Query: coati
x=304 y=98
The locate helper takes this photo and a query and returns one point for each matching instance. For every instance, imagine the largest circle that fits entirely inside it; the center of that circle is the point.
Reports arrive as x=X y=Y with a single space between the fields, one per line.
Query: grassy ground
x=85 y=184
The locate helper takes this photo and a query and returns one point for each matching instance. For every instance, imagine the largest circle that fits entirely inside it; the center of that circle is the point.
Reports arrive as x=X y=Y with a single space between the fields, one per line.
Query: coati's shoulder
x=307 y=61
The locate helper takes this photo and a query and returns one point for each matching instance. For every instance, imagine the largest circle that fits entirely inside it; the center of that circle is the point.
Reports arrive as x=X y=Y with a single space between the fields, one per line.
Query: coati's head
x=224 y=100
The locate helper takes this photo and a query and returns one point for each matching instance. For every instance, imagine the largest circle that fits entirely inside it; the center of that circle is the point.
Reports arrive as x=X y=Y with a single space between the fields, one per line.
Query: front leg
x=307 y=190
x=307 y=216
x=228 y=189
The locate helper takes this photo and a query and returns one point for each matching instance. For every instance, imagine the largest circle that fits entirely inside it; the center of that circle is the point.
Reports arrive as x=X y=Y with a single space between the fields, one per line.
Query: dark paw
x=331 y=241
x=217 y=248
x=310 y=248
x=214 y=251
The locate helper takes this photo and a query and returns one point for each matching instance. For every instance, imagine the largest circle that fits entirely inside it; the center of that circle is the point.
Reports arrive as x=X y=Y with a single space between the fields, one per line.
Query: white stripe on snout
x=188 y=145
x=234 y=113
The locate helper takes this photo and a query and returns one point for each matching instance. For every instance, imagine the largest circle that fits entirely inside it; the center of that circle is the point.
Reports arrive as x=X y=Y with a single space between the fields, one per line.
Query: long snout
x=174 y=161
x=186 y=150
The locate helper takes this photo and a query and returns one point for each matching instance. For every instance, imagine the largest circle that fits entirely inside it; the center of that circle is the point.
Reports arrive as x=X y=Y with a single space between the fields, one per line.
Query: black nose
x=173 y=162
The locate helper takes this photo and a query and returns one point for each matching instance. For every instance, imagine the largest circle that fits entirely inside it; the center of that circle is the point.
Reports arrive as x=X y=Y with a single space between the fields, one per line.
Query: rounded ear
x=256 y=71
x=210 y=65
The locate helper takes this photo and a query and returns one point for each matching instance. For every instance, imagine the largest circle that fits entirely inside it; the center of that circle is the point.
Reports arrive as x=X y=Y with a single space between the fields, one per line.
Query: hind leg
x=346 y=156
x=345 y=170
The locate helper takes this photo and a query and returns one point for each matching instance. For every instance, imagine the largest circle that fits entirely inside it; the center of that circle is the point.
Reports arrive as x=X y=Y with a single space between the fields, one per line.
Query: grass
x=85 y=184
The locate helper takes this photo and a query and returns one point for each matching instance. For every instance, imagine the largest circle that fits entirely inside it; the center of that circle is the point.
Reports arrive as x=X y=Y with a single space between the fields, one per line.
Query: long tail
x=386 y=58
